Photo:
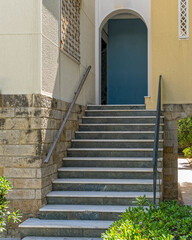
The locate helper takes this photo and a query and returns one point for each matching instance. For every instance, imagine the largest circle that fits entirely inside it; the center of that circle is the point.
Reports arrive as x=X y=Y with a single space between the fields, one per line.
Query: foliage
x=5 y=214
x=166 y=222
x=185 y=134
x=188 y=152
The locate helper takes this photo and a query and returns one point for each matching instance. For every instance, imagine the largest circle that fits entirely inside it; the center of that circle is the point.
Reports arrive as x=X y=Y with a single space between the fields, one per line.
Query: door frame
x=100 y=22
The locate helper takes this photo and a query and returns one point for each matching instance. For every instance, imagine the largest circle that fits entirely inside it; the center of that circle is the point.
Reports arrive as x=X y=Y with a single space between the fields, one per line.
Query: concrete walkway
x=185 y=181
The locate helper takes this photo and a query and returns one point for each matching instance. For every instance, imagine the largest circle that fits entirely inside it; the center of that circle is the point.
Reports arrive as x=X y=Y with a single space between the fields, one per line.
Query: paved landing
x=185 y=180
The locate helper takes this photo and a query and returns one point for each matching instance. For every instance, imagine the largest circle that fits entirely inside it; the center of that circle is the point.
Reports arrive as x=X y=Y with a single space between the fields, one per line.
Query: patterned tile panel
x=70 y=27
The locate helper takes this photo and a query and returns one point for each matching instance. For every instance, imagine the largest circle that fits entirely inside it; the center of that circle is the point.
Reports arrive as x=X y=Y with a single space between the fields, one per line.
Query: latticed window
x=70 y=27
x=183 y=19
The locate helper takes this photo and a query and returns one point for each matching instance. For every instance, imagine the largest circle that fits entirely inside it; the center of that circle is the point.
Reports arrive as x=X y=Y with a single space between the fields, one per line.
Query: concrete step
x=120 y=113
x=114 y=143
x=97 y=198
x=107 y=173
x=119 y=185
x=59 y=238
x=118 y=127
x=60 y=228
x=82 y=212
x=120 y=119
x=116 y=135
x=109 y=162
x=116 y=107
x=112 y=152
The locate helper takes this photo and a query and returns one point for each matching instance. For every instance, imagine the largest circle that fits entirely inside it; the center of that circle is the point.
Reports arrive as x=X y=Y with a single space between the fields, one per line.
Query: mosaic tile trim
x=183 y=19
x=70 y=27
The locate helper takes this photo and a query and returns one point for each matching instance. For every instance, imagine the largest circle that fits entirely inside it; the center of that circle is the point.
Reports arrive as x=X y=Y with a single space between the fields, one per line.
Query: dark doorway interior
x=103 y=72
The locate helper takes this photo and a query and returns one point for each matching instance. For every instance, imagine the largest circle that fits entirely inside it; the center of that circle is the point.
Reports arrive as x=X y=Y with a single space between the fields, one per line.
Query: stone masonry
x=28 y=125
x=172 y=113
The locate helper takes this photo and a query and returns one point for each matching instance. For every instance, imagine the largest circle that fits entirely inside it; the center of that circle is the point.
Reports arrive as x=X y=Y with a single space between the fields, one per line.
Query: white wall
x=20 y=46
x=61 y=73
x=104 y=10
x=30 y=57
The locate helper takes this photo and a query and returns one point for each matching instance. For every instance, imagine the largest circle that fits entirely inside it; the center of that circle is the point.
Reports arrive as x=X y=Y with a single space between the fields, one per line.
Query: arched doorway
x=124 y=60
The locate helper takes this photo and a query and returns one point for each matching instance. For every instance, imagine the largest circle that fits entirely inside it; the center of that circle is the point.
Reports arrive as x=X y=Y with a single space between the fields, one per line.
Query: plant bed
x=5 y=215
x=168 y=221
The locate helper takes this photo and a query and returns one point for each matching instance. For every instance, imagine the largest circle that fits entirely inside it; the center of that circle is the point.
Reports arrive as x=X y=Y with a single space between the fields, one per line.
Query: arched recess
x=107 y=10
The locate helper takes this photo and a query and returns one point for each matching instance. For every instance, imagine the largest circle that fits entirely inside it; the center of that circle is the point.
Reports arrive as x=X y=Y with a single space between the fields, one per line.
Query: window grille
x=183 y=19
x=70 y=27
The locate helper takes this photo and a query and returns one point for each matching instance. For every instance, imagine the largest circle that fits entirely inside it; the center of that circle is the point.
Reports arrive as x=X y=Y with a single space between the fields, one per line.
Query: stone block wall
x=172 y=113
x=28 y=125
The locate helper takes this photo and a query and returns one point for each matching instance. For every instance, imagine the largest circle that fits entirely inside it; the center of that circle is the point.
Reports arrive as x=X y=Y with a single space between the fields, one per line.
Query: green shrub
x=165 y=222
x=185 y=132
x=188 y=152
x=5 y=214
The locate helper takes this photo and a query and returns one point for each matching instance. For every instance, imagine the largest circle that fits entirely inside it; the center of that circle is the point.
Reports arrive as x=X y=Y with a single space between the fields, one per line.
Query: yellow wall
x=170 y=56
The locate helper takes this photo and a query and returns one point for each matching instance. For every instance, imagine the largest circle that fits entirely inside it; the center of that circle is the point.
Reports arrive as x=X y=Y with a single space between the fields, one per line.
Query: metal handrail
x=156 y=142
x=67 y=115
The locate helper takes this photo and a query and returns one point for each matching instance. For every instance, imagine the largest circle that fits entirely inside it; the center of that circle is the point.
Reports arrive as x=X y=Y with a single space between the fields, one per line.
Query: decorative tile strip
x=70 y=27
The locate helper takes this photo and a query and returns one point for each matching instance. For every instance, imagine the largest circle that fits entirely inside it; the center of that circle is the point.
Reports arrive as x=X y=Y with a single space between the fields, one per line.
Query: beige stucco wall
x=170 y=56
x=20 y=46
x=31 y=60
x=61 y=73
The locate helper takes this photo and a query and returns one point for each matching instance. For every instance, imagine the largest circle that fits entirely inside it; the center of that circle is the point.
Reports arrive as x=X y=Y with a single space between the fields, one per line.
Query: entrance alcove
x=124 y=59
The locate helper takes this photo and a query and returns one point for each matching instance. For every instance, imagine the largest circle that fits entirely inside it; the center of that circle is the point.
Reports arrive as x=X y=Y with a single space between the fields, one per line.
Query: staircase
x=108 y=166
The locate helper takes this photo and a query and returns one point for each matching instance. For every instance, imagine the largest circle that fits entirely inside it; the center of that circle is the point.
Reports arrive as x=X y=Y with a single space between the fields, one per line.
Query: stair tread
x=115 y=140
x=116 y=105
x=91 y=224
x=103 y=181
x=112 y=149
x=83 y=208
x=109 y=159
x=59 y=238
x=117 y=132
x=119 y=124
x=109 y=117
x=105 y=169
x=120 y=110
x=97 y=194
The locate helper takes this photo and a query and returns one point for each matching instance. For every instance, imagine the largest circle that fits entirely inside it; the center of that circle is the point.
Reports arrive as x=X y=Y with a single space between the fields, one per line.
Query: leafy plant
x=5 y=215
x=188 y=152
x=166 y=222
x=185 y=133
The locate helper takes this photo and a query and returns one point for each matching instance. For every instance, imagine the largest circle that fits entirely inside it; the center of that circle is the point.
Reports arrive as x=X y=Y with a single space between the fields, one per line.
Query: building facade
x=46 y=46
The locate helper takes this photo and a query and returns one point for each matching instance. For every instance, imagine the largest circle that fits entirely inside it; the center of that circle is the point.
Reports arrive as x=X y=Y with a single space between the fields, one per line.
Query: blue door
x=127 y=61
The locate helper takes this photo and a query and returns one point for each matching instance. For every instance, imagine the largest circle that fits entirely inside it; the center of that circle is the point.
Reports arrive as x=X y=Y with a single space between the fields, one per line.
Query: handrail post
x=67 y=115
x=156 y=142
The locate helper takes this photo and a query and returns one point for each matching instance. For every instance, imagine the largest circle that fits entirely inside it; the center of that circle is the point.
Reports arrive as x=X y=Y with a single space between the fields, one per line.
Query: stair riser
x=93 y=201
x=80 y=216
x=118 y=107
x=60 y=232
x=112 y=164
x=104 y=187
x=120 y=113
x=119 y=120
x=95 y=144
x=90 y=135
x=119 y=128
x=106 y=175
x=111 y=153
